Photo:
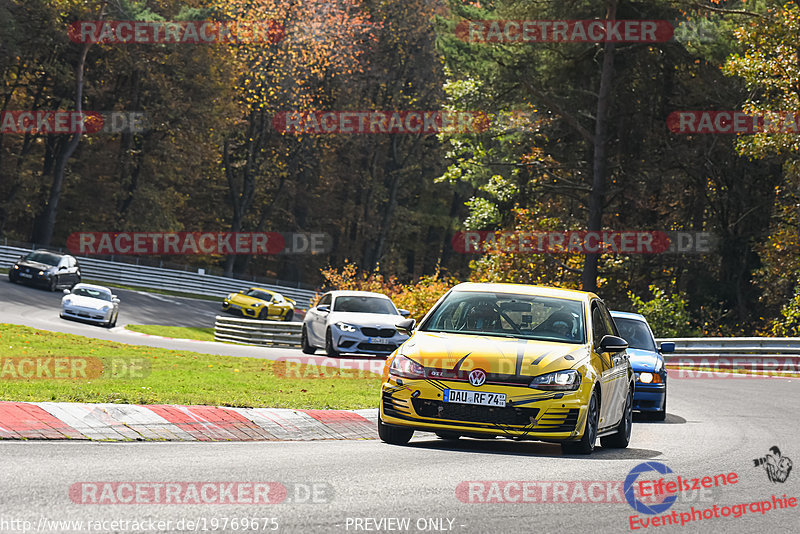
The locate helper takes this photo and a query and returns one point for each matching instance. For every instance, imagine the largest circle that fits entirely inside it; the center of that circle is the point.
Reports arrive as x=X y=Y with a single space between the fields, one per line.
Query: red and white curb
x=161 y=422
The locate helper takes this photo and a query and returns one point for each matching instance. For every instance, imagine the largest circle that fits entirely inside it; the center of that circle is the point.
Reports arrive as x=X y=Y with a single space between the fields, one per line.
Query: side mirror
x=115 y=300
x=404 y=313
x=324 y=308
x=62 y=268
x=66 y=291
x=613 y=344
x=406 y=326
x=667 y=346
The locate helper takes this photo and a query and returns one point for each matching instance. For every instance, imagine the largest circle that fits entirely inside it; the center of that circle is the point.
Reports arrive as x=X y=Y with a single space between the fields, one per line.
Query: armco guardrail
x=160 y=278
x=255 y=332
x=750 y=353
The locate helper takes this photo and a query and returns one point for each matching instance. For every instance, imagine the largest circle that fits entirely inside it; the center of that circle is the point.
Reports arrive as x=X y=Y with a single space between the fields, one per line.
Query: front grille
x=376 y=347
x=378 y=332
x=510 y=415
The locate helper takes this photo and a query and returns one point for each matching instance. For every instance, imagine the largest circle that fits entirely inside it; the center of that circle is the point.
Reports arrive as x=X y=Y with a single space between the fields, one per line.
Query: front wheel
x=449 y=436
x=262 y=315
x=289 y=316
x=394 y=435
x=53 y=285
x=329 y=349
x=586 y=443
x=305 y=346
x=621 y=438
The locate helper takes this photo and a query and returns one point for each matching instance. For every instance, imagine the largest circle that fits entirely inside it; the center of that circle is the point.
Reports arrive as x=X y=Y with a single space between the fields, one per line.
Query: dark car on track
x=46 y=268
x=650 y=389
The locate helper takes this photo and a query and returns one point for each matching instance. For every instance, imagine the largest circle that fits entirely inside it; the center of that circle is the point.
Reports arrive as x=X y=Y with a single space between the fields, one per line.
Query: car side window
x=608 y=321
x=599 y=326
x=325 y=300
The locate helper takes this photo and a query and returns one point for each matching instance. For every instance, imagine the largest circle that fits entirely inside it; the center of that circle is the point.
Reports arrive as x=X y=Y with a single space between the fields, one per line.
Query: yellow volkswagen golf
x=509 y=360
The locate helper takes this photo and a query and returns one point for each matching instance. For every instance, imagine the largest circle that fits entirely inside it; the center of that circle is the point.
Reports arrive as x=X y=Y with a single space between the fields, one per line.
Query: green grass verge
x=146 y=375
x=180 y=332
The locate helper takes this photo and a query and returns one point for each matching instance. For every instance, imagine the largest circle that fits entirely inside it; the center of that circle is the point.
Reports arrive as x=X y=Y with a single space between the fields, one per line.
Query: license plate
x=235 y=307
x=379 y=340
x=481 y=398
x=26 y=275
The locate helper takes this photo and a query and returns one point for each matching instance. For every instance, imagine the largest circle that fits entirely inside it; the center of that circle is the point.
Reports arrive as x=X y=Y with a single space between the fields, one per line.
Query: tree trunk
x=599 y=161
x=46 y=222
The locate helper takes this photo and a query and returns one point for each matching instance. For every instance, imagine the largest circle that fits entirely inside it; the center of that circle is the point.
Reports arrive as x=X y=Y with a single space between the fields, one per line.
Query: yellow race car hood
x=244 y=300
x=446 y=355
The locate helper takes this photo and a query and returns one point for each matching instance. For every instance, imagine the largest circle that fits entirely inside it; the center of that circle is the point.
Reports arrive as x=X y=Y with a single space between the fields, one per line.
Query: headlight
x=345 y=327
x=649 y=378
x=41 y=273
x=568 y=380
x=68 y=302
x=106 y=308
x=406 y=367
x=16 y=266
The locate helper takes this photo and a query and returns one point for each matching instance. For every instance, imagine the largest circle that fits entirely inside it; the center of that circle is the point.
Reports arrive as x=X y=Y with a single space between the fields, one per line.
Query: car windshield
x=259 y=294
x=92 y=293
x=48 y=258
x=509 y=315
x=636 y=333
x=358 y=304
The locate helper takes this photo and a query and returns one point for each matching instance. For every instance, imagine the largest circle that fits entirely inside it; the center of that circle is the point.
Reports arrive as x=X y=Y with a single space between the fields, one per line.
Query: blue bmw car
x=650 y=392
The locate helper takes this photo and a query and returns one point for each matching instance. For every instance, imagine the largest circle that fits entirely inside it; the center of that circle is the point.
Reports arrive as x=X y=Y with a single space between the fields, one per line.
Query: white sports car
x=353 y=322
x=87 y=302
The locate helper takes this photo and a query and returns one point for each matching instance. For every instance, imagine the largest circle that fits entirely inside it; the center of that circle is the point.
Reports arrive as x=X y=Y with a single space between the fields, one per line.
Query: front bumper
x=358 y=343
x=30 y=277
x=649 y=397
x=86 y=314
x=529 y=413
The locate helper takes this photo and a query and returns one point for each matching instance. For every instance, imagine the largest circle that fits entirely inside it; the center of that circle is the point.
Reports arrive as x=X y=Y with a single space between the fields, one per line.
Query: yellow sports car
x=516 y=361
x=260 y=303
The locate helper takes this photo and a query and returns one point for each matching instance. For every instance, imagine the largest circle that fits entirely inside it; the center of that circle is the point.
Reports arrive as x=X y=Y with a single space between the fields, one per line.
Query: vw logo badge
x=477 y=377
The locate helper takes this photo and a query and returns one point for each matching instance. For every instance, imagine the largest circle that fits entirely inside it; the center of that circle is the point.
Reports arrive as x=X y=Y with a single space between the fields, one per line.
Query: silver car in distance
x=90 y=303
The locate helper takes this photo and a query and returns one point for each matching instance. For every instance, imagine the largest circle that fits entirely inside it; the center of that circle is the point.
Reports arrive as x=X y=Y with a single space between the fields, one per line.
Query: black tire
x=289 y=315
x=262 y=315
x=329 y=350
x=660 y=415
x=12 y=279
x=53 y=285
x=305 y=346
x=586 y=444
x=621 y=438
x=449 y=436
x=394 y=435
